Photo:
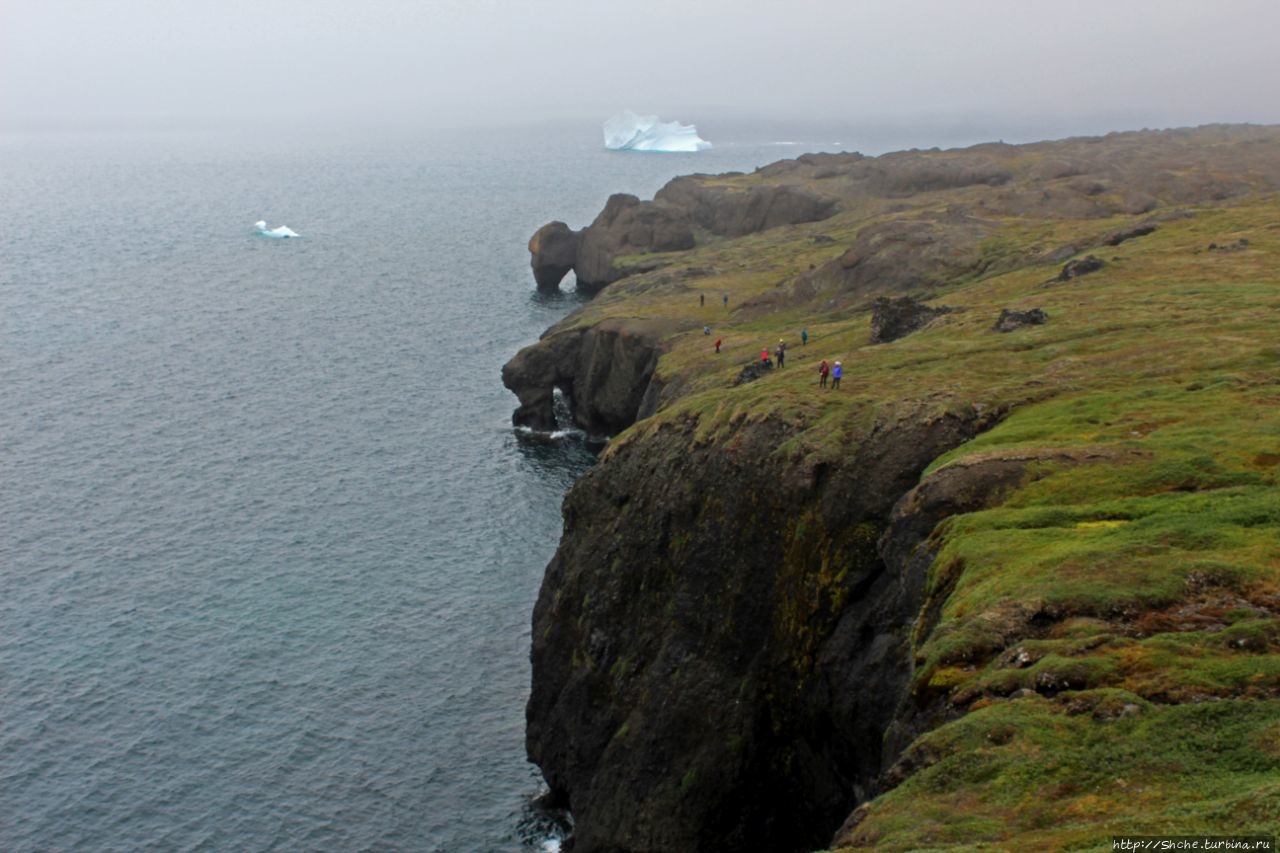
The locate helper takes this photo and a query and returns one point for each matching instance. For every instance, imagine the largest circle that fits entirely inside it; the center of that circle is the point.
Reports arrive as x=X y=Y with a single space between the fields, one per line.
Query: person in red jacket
x=823 y=370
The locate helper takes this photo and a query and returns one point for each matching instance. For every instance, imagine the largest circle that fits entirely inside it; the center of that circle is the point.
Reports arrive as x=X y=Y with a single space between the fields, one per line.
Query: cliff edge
x=1014 y=581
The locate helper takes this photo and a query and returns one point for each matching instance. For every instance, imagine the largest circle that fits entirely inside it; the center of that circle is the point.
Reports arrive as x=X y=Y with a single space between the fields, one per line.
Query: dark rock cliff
x=606 y=371
x=718 y=646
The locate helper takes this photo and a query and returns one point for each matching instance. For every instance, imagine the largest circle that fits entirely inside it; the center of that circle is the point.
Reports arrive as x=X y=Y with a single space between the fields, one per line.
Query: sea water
x=268 y=543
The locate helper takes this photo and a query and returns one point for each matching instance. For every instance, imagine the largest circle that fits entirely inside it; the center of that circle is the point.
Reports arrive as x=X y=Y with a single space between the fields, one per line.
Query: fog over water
x=506 y=62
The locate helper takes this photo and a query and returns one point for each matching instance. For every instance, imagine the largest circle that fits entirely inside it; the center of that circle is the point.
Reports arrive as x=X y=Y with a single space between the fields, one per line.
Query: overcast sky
x=458 y=61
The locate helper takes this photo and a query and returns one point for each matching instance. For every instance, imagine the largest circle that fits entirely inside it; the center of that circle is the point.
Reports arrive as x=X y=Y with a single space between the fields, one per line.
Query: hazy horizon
x=497 y=63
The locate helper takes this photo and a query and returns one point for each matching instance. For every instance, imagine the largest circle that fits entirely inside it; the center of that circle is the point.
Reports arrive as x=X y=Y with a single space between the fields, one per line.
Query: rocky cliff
x=939 y=605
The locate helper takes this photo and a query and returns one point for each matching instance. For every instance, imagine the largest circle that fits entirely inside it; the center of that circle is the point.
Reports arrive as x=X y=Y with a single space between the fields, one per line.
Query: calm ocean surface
x=268 y=542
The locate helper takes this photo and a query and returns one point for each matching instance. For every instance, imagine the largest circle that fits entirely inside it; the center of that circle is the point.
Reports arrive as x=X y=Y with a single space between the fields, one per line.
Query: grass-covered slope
x=1099 y=651
x=1109 y=629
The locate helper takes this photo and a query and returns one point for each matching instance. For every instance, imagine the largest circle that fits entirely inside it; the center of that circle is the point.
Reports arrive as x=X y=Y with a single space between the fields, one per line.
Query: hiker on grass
x=781 y=351
x=823 y=370
x=764 y=357
x=804 y=337
x=717 y=345
x=836 y=372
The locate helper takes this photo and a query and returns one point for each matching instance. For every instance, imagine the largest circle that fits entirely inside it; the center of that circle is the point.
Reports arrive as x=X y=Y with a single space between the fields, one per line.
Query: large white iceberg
x=278 y=233
x=630 y=132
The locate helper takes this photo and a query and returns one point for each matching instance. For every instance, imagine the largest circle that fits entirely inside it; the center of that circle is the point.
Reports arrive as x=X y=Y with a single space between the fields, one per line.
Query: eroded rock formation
x=553 y=251
x=629 y=226
x=606 y=370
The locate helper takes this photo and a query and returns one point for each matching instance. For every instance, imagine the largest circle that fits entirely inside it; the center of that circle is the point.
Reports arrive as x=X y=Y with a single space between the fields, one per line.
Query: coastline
x=816 y=568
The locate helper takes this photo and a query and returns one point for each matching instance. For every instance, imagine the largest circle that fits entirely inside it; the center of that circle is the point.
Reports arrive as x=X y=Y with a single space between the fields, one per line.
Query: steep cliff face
x=718 y=648
x=606 y=370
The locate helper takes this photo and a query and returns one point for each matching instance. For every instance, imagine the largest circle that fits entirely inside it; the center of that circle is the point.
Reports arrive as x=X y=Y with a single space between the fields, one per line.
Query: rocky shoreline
x=763 y=618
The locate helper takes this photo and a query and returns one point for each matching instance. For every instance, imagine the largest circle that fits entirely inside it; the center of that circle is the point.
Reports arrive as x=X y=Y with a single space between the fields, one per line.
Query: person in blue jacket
x=836 y=372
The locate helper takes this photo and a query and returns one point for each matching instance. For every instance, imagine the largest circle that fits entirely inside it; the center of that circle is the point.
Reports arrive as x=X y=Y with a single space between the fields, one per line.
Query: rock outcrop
x=1011 y=320
x=903 y=255
x=553 y=251
x=1117 y=237
x=628 y=226
x=686 y=582
x=892 y=319
x=1080 y=266
x=753 y=371
x=606 y=371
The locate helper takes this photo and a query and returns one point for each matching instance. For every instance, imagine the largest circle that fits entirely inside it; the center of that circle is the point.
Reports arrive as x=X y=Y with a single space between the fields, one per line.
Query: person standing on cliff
x=717 y=345
x=804 y=337
x=823 y=370
x=781 y=351
x=836 y=372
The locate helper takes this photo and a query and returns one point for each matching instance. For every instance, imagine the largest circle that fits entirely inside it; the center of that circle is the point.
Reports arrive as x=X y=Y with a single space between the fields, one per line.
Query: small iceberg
x=276 y=233
x=630 y=132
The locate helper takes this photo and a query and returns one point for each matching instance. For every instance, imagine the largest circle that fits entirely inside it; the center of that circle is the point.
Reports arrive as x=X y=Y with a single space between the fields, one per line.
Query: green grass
x=1068 y=774
x=1129 y=584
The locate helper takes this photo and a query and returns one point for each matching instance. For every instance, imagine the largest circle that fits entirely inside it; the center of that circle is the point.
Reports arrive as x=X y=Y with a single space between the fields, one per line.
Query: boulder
x=1010 y=320
x=896 y=318
x=1080 y=266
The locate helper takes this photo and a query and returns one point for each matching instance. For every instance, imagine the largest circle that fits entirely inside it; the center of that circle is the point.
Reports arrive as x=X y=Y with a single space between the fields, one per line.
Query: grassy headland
x=1099 y=650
